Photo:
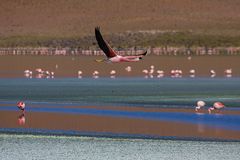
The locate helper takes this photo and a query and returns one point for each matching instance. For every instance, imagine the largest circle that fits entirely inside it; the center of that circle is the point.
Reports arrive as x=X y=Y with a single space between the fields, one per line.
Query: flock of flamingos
x=113 y=57
x=200 y=105
x=146 y=73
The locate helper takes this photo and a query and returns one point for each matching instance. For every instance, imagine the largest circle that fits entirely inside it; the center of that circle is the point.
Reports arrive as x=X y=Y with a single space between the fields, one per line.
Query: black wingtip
x=97 y=28
x=145 y=53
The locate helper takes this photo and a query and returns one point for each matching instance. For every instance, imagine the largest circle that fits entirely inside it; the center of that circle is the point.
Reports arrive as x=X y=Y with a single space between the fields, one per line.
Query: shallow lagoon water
x=146 y=93
x=165 y=92
x=61 y=94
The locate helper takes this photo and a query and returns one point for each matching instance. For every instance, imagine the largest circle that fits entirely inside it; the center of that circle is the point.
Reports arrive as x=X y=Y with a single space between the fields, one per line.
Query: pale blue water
x=56 y=95
x=60 y=148
x=166 y=92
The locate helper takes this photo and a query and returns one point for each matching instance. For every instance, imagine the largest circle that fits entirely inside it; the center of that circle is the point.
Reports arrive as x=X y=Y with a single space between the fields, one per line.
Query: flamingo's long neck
x=211 y=109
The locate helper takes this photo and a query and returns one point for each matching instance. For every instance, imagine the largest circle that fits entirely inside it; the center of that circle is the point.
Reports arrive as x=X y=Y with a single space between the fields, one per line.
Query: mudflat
x=68 y=66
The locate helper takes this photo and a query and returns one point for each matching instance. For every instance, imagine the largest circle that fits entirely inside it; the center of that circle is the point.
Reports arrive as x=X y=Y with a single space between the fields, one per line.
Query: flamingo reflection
x=21 y=119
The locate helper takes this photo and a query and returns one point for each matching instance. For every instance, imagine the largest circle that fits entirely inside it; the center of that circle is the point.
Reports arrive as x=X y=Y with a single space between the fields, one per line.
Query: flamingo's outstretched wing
x=109 y=52
x=138 y=55
x=143 y=54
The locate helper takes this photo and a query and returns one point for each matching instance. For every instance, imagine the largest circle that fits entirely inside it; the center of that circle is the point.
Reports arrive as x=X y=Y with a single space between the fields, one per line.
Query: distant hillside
x=52 y=22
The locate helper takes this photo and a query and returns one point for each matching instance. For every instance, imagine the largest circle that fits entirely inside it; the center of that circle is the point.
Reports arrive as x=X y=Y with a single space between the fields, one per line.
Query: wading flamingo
x=80 y=74
x=192 y=73
x=95 y=74
x=128 y=68
x=21 y=106
x=160 y=73
x=213 y=73
x=200 y=104
x=145 y=71
x=28 y=73
x=113 y=74
x=112 y=56
x=217 y=106
x=228 y=72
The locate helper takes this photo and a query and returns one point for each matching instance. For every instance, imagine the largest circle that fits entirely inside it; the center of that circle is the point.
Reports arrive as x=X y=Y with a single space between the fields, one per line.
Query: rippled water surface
x=52 y=147
x=166 y=92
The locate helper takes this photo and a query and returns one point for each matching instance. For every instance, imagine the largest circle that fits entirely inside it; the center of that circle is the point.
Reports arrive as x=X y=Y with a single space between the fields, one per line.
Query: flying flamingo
x=112 y=56
x=217 y=106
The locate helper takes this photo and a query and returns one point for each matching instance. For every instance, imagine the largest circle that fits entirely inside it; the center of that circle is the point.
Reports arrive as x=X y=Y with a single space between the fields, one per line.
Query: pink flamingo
x=112 y=56
x=128 y=68
x=21 y=106
x=145 y=71
x=151 y=71
x=113 y=74
x=200 y=104
x=160 y=73
x=80 y=74
x=216 y=105
x=176 y=73
x=95 y=74
x=213 y=73
x=39 y=71
x=28 y=73
x=192 y=73
x=228 y=72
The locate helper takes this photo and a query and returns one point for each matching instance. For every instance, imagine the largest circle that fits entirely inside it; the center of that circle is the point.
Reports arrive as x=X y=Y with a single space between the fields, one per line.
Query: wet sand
x=68 y=66
x=85 y=124
x=225 y=111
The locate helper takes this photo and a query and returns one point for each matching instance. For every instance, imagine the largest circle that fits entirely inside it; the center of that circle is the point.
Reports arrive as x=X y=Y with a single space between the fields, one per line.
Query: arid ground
x=78 y=18
x=26 y=21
